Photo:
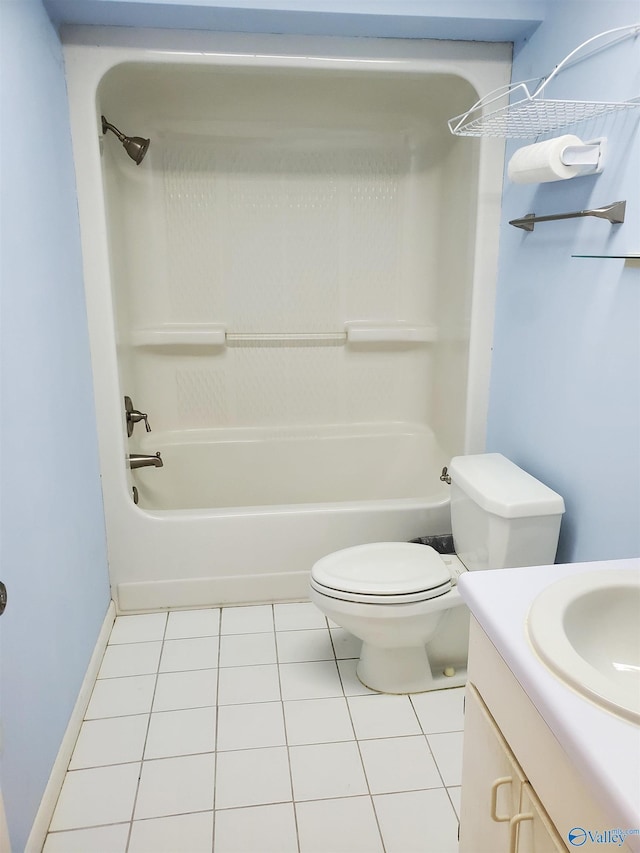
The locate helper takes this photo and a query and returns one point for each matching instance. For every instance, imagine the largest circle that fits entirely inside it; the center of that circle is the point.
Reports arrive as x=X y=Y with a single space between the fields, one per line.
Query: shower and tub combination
x=289 y=286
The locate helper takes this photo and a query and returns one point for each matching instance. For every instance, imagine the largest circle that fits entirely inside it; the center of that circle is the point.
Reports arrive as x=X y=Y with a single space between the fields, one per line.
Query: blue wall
x=565 y=393
x=479 y=20
x=52 y=531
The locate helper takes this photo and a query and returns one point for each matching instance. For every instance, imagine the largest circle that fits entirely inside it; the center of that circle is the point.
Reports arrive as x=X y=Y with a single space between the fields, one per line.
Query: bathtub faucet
x=142 y=460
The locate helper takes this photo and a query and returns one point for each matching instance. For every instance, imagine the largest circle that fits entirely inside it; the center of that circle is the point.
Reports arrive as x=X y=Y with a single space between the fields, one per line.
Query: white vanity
x=544 y=767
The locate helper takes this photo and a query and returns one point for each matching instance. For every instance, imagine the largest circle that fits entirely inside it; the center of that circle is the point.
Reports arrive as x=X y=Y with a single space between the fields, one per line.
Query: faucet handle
x=133 y=416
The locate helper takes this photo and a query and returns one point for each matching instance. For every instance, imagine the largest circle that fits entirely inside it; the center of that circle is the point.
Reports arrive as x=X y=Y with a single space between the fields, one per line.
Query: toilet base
x=403 y=670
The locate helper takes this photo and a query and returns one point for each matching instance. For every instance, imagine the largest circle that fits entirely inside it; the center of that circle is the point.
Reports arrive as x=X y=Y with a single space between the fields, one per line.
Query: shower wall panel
x=280 y=226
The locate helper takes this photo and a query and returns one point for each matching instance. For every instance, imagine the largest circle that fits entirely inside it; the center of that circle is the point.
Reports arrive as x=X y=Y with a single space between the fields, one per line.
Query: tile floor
x=245 y=730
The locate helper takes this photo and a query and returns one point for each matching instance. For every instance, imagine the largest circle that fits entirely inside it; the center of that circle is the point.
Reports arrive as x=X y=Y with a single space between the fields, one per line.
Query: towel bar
x=613 y=213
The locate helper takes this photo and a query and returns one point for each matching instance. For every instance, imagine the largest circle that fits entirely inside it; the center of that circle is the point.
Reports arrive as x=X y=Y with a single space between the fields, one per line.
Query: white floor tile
x=106 y=839
x=454 y=796
x=306 y=645
x=196 y=653
x=115 y=740
x=440 y=710
x=447 y=751
x=296 y=617
x=250 y=726
x=247 y=649
x=351 y=684
x=345 y=644
x=258 y=829
x=252 y=777
x=130 y=659
x=281 y=715
x=316 y=680
x=417 y=821
x=318 y=721
x=138 y=629
x=115 y=697
x=327 y=770
x=171 y=786
x=93 y=797
x=247 y=620
x=181 y=733
x=178 y=690
x=183 y=624
x=383 y=716
x=340 y=826
x=241 y=684
x=399 y=764
x=178 y=834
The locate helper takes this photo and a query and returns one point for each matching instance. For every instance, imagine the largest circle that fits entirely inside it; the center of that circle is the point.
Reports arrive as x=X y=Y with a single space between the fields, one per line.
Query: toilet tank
x=501 y=516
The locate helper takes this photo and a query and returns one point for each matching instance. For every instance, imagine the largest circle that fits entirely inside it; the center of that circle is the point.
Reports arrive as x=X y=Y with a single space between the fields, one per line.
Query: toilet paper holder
x=589 y=156
x=557 y=159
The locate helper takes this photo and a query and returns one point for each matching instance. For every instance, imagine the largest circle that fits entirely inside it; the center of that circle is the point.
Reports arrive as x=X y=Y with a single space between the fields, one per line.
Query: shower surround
x=296 y=285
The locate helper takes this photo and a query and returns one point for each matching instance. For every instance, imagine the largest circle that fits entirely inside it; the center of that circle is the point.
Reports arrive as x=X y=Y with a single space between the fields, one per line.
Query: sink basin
x=586 y=630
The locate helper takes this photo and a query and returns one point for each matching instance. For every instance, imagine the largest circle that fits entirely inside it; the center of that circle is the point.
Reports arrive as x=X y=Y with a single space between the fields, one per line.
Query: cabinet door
x=491 y=782
x=531 y=829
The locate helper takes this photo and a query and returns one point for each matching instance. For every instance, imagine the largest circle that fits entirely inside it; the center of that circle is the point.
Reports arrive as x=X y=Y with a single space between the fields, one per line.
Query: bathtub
x=296 y=286
x=254 y=468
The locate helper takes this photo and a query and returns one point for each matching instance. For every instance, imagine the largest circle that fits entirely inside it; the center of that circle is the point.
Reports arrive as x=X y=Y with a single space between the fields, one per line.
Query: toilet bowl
x=400 y=598
x=395 y=614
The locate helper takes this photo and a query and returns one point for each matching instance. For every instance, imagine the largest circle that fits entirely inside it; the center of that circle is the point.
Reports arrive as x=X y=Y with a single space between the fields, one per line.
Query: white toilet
x=400 y=598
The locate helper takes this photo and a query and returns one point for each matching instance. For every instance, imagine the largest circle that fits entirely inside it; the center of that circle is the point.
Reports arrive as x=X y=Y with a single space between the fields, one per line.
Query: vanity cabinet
x=500 y=810
x=520 y=790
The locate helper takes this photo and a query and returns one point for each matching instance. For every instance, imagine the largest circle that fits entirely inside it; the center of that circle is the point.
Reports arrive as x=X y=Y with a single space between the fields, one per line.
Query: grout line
x=286 y=740
x=144 y=745
x=364 y=770
x=215 y=742
x=455 y=811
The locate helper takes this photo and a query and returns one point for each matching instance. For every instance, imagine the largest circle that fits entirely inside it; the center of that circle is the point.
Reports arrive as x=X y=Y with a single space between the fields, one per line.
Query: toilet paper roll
x=542 y=162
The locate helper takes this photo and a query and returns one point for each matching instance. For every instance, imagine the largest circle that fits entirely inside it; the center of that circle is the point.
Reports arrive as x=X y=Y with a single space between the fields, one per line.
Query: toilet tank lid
x=499 y=486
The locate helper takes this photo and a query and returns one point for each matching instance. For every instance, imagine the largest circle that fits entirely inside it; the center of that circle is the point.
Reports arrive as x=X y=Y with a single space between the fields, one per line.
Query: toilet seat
x=382 y=573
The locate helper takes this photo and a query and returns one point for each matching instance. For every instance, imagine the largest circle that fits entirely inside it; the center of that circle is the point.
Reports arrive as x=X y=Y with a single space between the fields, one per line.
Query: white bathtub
x=252 y=468
x=296 y=285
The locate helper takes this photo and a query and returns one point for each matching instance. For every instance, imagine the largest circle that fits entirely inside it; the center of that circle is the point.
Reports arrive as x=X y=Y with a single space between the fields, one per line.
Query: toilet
x=401 y=598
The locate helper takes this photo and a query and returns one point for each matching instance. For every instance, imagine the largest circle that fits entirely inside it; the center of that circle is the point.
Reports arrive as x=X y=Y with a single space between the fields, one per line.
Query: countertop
x=604 y=747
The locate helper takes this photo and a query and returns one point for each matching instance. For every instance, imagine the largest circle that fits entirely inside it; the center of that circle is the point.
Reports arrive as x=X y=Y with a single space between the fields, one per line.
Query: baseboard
x=47 y=806
x=212 y=592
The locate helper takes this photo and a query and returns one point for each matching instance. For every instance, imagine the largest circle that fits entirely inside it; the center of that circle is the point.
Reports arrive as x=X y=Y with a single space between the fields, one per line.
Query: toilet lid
x=383 y=569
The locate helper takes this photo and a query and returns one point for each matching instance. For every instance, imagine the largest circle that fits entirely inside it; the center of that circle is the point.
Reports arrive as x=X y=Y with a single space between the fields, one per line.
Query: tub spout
x=142 y=460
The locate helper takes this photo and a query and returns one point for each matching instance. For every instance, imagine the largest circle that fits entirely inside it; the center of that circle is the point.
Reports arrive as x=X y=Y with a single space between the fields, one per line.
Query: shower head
x=135 y=146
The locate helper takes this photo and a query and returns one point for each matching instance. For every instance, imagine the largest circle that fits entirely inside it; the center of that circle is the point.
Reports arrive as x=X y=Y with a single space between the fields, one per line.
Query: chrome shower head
x=135 y=146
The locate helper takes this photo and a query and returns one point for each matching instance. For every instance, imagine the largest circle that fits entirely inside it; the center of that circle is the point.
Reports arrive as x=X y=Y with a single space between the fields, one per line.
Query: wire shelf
x=530 y=118
x=527 y=114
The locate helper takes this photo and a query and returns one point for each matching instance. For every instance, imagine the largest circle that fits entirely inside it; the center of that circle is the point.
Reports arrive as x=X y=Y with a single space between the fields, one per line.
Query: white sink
x=586 y=629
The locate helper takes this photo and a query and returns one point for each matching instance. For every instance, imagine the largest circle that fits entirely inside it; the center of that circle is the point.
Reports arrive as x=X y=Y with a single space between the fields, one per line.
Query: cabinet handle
x=514 y=823
x=504 y=780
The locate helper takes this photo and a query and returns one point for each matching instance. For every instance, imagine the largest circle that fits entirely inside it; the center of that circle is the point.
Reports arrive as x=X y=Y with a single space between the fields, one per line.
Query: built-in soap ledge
x=181 y=335
x=170 y=335
x=365 y=332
